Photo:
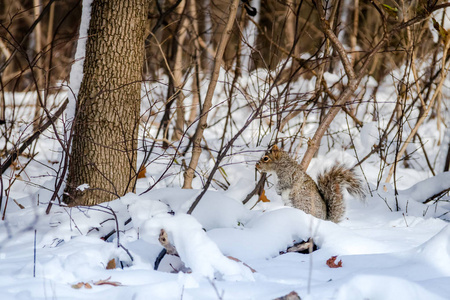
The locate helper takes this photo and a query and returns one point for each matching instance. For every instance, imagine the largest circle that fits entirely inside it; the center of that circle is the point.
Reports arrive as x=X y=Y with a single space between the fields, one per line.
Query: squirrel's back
x=323 y=200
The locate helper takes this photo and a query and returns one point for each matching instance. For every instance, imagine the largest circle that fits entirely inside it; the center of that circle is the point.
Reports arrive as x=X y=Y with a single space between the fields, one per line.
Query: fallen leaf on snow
x=263 y=197
x=142 y=172
x=111 y=264
x=79 y=285
x=331 y=262
x=106 y=281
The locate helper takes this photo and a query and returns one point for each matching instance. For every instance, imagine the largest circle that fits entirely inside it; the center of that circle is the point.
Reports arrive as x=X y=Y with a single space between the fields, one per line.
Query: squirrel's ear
x=275 y=152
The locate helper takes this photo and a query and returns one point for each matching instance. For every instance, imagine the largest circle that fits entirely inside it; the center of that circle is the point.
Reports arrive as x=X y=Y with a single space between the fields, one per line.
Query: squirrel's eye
x=265 y=159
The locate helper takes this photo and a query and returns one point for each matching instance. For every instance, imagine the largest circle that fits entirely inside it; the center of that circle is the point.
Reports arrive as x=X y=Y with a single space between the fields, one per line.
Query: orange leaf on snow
x=79 y=285
x=331 y=262
x=263 y=197
x=111 y=264
x=142 y=172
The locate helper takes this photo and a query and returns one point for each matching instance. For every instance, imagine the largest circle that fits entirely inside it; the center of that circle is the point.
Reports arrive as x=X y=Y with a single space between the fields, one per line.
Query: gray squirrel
x=323 y=200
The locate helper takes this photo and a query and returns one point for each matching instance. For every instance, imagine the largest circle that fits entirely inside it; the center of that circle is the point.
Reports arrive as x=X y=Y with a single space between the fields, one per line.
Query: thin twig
x=13 y=156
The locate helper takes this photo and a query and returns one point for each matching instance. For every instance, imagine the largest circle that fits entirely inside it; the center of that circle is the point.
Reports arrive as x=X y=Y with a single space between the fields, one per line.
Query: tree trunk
x=38 y=70
x=196 y=148
x=178 y=68
x=104 y=145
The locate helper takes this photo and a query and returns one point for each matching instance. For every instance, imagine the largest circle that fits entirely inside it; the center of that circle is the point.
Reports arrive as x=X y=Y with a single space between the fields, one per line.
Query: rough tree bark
x=104 y=145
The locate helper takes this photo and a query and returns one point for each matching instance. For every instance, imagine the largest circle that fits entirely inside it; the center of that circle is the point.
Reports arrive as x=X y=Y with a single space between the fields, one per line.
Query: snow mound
x=195 y=248
x=273 y=231
x=216 y=209
x=382 y=288
x=82 y=258
x=142 y=209
x=428 y=187
x=436 y=251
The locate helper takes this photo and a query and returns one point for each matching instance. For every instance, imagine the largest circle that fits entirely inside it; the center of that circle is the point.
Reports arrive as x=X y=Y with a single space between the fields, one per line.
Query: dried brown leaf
x=291 y=296
x=111 y=264
x=331 y=262
x=106 y=281
x=77 y=286
x=142 y=172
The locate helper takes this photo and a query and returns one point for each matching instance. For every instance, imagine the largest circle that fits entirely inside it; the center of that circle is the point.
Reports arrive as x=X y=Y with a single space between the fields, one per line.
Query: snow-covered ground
x=392 y=246
x=385 y=254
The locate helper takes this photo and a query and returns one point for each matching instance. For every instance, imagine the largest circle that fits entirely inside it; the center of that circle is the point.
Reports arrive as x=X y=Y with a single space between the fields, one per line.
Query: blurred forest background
x=39 y=37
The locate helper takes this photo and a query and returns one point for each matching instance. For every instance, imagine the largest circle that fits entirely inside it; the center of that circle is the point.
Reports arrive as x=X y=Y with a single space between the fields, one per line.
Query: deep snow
x=386 y=253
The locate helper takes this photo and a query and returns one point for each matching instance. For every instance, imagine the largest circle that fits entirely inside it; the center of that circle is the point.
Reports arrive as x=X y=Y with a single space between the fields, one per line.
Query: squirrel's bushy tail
x=330 y=185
